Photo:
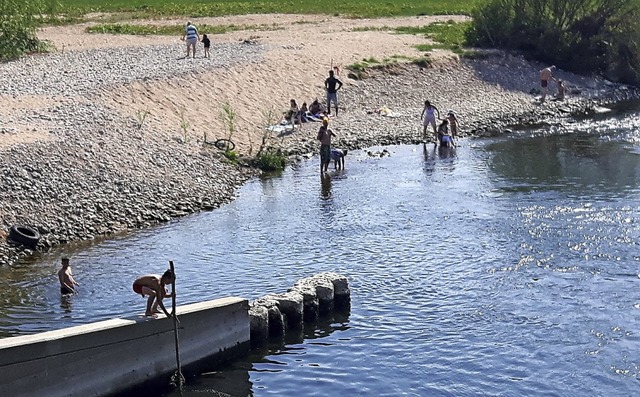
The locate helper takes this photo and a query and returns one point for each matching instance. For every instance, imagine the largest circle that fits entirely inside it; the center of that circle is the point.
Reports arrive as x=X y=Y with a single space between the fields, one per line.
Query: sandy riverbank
x=77 y=163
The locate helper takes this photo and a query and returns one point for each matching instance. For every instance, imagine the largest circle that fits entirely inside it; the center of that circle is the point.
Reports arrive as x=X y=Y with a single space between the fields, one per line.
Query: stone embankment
x=95 y=172
x=489 y=95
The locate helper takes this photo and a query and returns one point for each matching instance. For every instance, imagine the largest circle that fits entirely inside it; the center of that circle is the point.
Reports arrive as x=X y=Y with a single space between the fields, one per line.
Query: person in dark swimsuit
x=332 y=85
x=207 y=44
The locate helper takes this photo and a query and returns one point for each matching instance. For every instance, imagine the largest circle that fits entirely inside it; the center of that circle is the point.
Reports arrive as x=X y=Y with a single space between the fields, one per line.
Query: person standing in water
x=428 y=117
x=324 y=136
x=65 y=277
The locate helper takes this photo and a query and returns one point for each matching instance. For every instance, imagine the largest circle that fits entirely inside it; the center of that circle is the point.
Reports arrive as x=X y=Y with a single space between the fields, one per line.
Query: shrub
x=270 y=161
x=18 y=22
x=580 y=35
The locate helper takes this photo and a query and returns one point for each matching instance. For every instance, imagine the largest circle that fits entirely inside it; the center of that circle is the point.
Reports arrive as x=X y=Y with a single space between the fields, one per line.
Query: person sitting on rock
x=316 y=109
x=293 y=114
x=304 y=112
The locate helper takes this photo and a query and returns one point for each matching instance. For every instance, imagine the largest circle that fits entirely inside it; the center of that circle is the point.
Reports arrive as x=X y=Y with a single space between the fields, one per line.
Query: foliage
x=18 y=23
x=231 y=155
x=271 y=161
x=184 y=125
x=269 y=117
x=141 y=116
x=599 y=36
x=171 y=30
x=145 y=9
x=228 y=118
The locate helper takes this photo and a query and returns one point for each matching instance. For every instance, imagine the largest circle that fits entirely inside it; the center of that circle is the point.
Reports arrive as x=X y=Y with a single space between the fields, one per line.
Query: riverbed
x=508 y=266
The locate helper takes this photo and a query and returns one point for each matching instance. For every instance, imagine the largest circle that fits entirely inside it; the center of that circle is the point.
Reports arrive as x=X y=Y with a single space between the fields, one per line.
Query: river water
x=509 y=267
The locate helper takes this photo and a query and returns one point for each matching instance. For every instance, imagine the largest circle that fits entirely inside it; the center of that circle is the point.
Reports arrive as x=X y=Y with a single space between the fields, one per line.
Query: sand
x=300 y=51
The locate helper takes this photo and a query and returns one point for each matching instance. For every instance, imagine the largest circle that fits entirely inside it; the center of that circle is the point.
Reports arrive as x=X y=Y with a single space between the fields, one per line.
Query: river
x=509 y=267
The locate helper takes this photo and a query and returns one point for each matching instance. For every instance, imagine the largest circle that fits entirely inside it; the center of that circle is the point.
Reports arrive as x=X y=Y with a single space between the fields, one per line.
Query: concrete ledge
x=110 y=356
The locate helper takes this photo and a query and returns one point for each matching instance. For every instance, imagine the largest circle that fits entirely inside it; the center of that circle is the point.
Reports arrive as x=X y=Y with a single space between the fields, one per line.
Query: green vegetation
x=231 y=155
x=448 y=35
x=352 y=8
x=171 y=30
x=271 y=161
x=18 y=22
x=601 y=36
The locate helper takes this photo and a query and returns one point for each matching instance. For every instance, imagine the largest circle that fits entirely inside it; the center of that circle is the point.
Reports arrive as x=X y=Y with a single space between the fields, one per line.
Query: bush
x=269 y=161
x=18 y=23
x=580 y=35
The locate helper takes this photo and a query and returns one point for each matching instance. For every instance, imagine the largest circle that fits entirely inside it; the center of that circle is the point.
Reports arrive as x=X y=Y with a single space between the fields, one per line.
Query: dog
x=338 y=155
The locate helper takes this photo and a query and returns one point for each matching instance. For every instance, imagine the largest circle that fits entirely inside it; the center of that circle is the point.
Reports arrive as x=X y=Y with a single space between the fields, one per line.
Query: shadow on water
x=233 y=377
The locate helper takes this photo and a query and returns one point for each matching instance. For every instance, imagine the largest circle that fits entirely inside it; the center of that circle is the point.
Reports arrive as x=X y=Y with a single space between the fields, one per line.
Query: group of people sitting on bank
x=304 y=114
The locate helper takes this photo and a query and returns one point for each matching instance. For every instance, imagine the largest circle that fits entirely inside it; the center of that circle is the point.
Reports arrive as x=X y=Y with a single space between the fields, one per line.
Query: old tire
x=224 y=144
x=24 y=235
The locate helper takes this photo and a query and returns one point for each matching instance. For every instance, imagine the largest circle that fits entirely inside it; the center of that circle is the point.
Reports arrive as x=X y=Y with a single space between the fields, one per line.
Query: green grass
x=168 y=30
x=351 y=8
x=448 y=35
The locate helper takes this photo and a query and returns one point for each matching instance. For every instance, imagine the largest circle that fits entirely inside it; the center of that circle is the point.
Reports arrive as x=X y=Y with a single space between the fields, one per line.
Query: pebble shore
x=100 y=174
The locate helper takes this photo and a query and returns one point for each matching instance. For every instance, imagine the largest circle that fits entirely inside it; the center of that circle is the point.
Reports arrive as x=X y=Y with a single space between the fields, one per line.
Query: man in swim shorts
x=65 y=276
x=153 y=286
x=546 y=74
x=324 y=136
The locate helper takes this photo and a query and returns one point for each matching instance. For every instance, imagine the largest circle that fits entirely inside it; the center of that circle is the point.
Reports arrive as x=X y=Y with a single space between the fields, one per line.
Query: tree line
x=585 y=36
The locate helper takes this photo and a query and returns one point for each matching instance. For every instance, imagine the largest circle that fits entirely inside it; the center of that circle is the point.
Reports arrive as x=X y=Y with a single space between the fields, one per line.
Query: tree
x=581 y=35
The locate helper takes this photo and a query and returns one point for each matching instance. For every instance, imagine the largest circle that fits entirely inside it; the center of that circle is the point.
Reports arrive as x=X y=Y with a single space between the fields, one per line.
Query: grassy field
x=350 y=8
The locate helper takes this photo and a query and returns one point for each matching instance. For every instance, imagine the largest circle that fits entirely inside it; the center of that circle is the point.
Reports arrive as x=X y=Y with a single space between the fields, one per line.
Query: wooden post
x=180 y=378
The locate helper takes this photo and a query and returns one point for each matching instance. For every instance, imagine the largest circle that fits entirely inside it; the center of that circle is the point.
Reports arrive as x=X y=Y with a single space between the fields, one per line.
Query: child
x=443 y=134
x=453 y=123
x=207 y=44
x=337 y=155
x=428 y=117
x=65 y=276
x=304 y=112
x=153 y=286
x=561 y=90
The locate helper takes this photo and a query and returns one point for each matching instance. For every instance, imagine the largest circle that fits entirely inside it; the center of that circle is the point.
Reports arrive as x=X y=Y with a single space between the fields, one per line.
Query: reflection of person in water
x=325 y=180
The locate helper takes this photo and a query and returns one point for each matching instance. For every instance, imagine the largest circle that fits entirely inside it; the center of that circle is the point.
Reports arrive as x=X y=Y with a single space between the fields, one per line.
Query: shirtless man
x=65 y=276
x=546 y=74
x=153 y=286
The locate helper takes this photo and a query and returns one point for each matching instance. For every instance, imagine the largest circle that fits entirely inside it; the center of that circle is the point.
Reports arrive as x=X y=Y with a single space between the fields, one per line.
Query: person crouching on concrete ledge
x=337 y=155
x=153 y=286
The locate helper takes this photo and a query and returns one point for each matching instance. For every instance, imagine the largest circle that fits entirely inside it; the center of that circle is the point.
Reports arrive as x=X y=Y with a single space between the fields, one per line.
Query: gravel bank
x=489 y=96
x=99 y=173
